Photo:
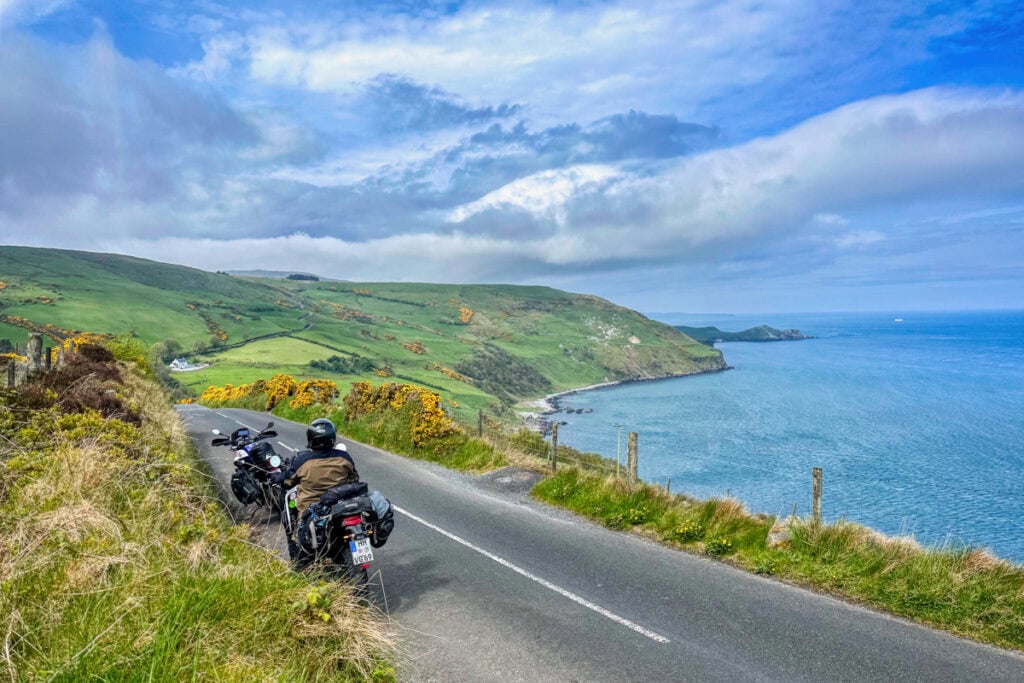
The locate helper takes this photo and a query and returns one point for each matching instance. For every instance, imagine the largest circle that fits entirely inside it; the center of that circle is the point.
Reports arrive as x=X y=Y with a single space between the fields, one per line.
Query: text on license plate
x=361 y=551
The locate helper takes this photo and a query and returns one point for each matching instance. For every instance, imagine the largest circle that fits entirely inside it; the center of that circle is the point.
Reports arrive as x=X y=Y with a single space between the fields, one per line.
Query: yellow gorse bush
x=315 y=391
x=278 y=388
x=428 y=419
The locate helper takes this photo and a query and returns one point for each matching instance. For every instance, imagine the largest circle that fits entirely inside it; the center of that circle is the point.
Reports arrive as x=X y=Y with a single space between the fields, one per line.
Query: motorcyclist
x=324 y=465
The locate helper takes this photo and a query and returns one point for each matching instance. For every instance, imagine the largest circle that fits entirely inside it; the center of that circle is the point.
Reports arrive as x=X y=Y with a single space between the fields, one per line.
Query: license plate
x=361 y=551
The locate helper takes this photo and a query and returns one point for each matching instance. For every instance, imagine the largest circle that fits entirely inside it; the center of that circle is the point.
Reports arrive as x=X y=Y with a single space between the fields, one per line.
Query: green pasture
x=571 y=340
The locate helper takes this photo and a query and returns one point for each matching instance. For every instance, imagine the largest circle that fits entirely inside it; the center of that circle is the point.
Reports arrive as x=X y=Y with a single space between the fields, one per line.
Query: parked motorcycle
x=341 y=529
x=255 y=462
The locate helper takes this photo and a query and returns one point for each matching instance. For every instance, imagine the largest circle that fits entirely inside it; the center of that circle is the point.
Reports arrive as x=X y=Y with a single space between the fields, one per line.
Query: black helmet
x=321 y=434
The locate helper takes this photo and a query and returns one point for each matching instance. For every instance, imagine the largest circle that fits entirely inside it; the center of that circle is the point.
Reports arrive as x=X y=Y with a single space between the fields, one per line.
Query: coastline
x=550 y=404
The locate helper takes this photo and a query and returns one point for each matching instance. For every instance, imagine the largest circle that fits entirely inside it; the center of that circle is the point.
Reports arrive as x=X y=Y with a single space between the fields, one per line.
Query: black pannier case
x=245 y=488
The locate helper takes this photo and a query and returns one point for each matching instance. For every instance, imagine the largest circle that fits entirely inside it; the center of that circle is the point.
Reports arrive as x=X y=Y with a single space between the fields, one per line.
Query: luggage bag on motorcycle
x=245 y=488
x=341 y=492
x=384 y=519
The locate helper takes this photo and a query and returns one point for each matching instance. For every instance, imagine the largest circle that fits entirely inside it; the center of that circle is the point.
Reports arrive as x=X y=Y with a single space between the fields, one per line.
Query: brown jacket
x=316 y=471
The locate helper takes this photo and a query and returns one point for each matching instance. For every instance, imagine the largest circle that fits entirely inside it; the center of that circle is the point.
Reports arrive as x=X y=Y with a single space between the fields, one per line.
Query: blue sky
x=689 y=156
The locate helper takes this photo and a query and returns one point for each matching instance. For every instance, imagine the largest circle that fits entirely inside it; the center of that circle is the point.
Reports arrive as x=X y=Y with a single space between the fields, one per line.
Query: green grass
x=117 y=562
x=964 y=590
x=570 y=340
x=391 y=431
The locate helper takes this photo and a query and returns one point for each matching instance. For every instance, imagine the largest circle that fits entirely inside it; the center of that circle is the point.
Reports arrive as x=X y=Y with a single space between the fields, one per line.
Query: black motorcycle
x=255 y=462
x=341 y=529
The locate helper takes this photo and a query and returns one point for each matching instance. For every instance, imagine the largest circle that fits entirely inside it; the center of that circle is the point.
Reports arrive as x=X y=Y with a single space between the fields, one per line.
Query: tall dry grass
x=117 y=562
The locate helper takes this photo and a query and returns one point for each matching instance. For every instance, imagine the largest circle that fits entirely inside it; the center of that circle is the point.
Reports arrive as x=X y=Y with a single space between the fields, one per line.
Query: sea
x=916 y=419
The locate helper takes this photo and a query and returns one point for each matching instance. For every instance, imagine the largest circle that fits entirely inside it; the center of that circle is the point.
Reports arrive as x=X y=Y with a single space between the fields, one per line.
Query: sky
x=696 y=156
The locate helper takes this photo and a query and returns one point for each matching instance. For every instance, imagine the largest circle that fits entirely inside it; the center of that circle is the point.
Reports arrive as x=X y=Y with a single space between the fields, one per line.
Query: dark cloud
x=395 y=103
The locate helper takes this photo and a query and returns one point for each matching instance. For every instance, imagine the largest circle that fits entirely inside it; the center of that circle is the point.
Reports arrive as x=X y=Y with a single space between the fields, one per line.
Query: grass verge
x=117 y=561
x=391 y=431
x=966 y=590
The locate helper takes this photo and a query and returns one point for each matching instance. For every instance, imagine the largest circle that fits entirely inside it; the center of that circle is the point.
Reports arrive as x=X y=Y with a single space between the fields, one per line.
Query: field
x=479 y=345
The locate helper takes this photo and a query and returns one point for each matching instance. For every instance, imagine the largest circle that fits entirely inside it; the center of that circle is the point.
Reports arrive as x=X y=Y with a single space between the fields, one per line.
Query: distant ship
x=897 y=320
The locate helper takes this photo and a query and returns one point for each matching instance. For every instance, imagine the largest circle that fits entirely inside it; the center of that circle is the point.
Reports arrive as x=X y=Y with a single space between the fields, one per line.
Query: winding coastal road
x=483 y=584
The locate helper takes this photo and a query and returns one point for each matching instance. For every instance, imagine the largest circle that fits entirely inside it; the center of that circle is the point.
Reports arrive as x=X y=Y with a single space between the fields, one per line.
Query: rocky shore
x=538 y=416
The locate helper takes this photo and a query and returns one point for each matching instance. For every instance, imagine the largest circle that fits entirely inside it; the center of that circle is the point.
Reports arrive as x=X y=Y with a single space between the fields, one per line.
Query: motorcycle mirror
x=216 y=431
x=275 y=461
x=269 y=425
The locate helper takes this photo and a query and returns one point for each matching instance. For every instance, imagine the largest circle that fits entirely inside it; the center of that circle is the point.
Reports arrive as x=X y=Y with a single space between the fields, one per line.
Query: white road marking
x=235 y=421
x=544 y=582
x=293 y=450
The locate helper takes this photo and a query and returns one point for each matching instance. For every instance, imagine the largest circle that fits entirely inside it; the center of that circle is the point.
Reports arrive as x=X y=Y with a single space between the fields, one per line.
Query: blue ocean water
x=918 y=425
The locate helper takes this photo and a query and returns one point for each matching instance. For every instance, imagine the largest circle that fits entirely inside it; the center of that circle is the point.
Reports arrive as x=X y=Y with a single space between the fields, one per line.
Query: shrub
x=718 y=547
x=688 y=532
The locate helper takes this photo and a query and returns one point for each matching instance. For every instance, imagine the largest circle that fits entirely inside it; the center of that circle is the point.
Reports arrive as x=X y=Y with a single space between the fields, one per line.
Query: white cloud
x=14 y=12
x=543 y=194
x=599 y=60
x=859 y=238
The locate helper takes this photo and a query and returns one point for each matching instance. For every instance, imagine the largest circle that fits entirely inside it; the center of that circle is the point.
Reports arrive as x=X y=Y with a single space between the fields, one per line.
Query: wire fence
x=537 y=439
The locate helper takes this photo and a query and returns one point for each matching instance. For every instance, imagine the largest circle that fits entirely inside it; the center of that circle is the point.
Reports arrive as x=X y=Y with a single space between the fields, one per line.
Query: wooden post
x=60 y=354
x=632 y=465
x=480 y=423
x=668 y=485
x=47 y=358
x=10 y=374
x=816 y=494
x=20 y=373
x=554 y=447
x=71 y=345
x=34 y=351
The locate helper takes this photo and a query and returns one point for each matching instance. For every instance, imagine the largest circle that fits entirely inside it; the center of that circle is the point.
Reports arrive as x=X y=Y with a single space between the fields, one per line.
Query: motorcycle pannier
x=245 y=488
x=343 y=492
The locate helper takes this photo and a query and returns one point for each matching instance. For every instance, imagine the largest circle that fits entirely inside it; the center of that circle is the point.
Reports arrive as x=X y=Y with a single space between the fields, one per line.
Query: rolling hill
x=477 y=344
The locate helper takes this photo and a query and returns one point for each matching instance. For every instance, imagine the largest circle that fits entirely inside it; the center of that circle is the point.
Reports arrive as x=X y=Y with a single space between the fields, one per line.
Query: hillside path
x=483 y=584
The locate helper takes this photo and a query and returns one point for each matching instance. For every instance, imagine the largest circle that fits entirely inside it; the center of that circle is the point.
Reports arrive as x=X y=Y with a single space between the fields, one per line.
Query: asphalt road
x=484 y=584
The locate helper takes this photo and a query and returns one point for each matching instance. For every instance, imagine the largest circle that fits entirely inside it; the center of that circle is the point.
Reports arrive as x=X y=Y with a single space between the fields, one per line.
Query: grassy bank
x=117 y=561
x=966 y=591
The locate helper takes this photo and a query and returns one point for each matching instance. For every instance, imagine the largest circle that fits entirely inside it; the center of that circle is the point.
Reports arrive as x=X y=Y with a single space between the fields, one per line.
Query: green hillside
x=475 y=343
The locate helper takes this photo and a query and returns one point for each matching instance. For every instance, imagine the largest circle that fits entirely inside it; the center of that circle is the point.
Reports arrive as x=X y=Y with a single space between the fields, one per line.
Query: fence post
x=668 y=485
x=60 y=354
x=631 y=457
x=20 y=373
x=47 y=360
x=480 y=423
x=554 y=447
x=34 y=351
x=816 y=494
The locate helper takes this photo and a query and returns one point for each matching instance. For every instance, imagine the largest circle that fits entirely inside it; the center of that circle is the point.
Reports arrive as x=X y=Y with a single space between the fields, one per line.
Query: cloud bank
x=587 y=143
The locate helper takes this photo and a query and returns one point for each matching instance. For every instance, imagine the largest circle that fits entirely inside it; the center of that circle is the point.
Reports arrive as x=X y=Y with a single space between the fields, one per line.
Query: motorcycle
x=341 y=529
x=255 y=461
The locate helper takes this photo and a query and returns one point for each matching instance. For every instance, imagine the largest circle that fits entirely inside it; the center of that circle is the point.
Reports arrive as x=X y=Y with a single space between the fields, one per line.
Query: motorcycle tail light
x=352 y=521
